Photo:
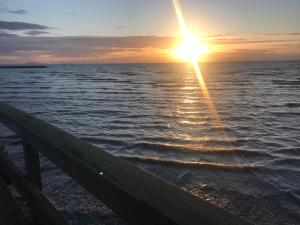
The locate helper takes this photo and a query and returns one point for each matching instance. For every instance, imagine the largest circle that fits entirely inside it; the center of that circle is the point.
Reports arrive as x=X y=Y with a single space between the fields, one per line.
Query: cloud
x=121 y=27
x=36 y=32
x=97 y=49
x=4 y=9
x=5 y=25
x=4 y=34
x=84 y=49
x=19 y=11
x=249 y=39
x=71 y=45
x=252 y=34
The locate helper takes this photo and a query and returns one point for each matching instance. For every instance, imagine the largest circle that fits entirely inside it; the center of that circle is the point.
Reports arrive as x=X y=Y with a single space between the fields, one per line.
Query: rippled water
x=155 y=116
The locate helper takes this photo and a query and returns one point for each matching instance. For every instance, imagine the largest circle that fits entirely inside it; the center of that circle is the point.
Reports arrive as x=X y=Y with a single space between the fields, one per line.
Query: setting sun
x=190 y=49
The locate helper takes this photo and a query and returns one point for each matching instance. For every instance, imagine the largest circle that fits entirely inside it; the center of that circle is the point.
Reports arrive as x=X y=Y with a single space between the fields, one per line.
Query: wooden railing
x=137 y=196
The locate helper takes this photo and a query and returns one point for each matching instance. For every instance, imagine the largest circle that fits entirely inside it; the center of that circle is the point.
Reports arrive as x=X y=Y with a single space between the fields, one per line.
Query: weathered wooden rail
x=137 y=196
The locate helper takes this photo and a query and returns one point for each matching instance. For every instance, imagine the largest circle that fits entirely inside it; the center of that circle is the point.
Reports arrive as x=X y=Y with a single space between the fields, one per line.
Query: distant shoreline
x=21 y=67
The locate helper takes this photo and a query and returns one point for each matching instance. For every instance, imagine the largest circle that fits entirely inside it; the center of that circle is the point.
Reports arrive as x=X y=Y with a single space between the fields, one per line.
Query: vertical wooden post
x=33 y=170
x=2 y=173
x=32 y=164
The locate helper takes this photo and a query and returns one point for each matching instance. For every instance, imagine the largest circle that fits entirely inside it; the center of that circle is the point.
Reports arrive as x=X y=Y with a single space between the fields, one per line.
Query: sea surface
x=156 y=117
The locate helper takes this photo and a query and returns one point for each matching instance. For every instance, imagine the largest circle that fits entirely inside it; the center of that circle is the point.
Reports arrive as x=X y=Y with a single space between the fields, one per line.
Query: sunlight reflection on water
x=155 y=116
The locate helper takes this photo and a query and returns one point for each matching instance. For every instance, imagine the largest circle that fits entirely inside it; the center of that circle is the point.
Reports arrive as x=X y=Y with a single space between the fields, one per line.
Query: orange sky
x=143 y=31
x=146 y=49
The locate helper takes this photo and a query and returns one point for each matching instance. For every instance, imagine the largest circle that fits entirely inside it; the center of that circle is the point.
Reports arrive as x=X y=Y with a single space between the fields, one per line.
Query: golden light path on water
x=187 y=37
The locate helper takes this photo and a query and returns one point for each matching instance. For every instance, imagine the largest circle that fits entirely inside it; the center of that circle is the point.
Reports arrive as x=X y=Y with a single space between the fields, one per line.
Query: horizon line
x=116 y=63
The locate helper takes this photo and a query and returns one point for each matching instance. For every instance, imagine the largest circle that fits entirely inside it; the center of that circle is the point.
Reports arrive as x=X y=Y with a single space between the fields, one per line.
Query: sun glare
x=190 y=49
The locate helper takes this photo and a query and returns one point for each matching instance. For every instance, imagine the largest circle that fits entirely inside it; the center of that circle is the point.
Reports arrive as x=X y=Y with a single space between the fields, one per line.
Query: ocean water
x=155 y=116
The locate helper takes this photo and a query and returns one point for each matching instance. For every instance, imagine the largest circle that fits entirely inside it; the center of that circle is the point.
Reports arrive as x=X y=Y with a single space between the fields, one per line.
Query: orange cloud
x=144 y=49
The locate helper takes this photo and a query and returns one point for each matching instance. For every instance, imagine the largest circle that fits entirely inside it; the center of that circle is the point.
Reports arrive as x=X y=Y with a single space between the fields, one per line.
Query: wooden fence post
x=2 y=173
x=32 y=164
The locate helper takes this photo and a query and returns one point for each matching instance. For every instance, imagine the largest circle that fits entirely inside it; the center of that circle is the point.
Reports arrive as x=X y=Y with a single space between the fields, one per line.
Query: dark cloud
x=121 y=27
x=19 y=11
x=81 y=49
x=5 y=25
x=80 y=45
x=4 y=34
x=36 y=32
x=4 y=9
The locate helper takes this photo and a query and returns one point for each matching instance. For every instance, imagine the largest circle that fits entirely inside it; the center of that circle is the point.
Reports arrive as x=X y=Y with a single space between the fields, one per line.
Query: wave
x=31 y=72
x=295 y=162
x=292 y=151
x=238 y=168
x=194 y=149
x=104 y=141
x=185 y=164
x=262 y=73
x=285 y=114
x=292 y=105
x=129 y=73
x=286 y=82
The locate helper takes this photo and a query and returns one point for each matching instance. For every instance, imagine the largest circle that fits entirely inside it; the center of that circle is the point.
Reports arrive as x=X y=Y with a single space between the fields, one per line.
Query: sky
x=145 y=31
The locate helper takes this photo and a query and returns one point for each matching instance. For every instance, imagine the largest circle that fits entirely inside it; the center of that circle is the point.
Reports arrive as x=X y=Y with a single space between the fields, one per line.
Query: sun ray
x=193 y=59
